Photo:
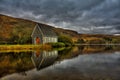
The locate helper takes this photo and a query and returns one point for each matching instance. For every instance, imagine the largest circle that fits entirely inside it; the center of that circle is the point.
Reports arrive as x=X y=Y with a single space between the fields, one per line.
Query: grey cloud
x=84 y=16
x=117 y=27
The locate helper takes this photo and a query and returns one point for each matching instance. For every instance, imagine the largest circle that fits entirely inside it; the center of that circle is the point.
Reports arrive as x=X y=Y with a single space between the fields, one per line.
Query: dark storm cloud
x=84 y=16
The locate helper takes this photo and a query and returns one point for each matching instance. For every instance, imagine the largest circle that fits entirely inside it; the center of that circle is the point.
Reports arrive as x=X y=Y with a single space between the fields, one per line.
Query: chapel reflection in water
x=42 y=59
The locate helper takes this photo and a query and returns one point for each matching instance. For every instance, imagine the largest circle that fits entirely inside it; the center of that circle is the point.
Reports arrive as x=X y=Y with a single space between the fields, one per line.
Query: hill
x=14 y=30
x=18 y=31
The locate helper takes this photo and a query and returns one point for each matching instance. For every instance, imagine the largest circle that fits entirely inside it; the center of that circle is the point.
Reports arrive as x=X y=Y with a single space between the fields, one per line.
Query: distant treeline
x=99 y=40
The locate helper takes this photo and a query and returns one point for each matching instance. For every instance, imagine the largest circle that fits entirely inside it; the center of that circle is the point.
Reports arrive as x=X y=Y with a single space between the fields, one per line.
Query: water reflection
x=42 y=59
x=76 y=63
x=13 y=62
x=84 y=67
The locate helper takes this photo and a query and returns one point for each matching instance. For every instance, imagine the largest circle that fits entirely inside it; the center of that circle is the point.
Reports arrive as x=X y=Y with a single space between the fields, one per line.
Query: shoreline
x=97 y=44
x=30 y=47
x=24 y=47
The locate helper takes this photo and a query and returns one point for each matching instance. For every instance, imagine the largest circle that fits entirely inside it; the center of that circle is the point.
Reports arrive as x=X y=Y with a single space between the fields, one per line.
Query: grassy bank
x=24 y=47
x=30 y=47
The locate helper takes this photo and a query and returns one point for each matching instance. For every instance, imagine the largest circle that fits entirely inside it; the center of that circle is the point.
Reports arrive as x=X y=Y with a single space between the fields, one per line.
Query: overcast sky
x=84 y=16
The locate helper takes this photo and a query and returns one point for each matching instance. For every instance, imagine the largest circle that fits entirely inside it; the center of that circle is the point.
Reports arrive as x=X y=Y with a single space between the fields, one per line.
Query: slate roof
x=47 y=30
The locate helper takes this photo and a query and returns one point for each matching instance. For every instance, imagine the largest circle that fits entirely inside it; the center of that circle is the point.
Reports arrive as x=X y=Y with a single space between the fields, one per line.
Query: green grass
x=24 y=47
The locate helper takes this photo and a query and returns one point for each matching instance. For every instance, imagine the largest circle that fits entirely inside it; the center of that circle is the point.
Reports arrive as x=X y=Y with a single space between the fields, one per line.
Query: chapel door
x=37 y=40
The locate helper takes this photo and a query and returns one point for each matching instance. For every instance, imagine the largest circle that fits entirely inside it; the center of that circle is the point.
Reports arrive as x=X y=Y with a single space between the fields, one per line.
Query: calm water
x=77 y=63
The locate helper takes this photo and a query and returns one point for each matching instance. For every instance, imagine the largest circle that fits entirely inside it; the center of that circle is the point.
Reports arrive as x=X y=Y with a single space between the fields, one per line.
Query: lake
x=95 y=62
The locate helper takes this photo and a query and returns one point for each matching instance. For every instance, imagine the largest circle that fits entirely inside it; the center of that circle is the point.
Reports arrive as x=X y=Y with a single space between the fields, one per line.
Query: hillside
x=18 y=31
x=99 y=39
x=14 y=30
